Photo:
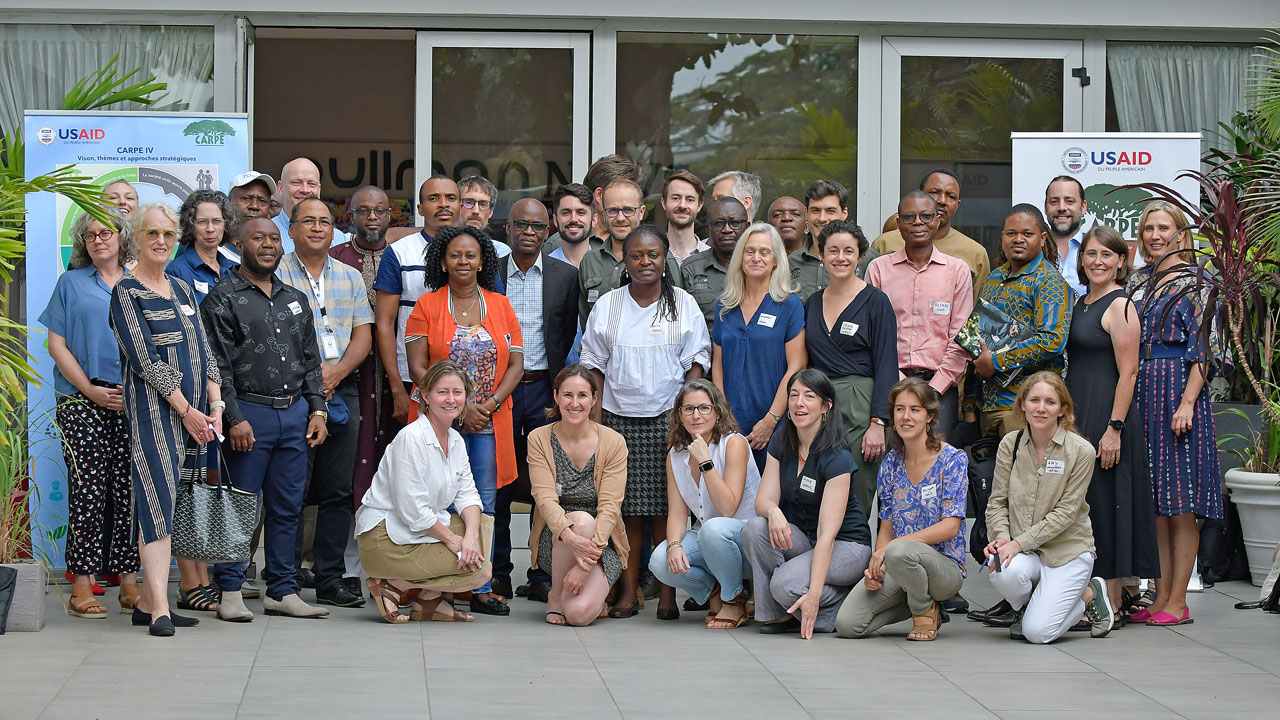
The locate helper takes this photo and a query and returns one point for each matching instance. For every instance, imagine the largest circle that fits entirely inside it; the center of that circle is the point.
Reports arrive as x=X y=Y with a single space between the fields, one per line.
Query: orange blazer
x=431 y=318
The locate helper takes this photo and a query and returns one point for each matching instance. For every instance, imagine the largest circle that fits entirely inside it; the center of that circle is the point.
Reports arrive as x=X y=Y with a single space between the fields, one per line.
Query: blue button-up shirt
x=189 y=267
x=345 y=306
x=524 y=292
x=80 y=312
x=282 y=222
x=1067 y=264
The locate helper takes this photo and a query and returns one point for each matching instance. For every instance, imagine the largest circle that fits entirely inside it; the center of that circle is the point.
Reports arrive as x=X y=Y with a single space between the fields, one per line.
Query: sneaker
x=1015 y=630
x=1099 y=611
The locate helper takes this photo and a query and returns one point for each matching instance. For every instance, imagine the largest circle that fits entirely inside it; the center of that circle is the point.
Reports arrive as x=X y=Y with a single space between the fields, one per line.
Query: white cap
x=245 y=178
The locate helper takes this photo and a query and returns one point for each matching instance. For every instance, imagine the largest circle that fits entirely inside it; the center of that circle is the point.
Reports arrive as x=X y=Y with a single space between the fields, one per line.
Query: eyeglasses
x=209 y=222
x=626 y=211
x=910 y=218
x=689 y=410
x=521 y=225
x=722 y=224
x=476 y=202
x=153 y=233
x=104 y=235
x=310 y=220
x=370 y=212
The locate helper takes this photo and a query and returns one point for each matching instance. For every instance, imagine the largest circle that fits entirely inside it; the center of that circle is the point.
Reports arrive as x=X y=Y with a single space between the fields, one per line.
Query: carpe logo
x=46 y=135
x=209 y=132
x=1074 y=160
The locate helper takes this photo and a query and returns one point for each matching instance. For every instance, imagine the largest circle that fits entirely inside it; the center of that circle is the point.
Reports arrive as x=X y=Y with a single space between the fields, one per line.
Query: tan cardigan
x=610 y=480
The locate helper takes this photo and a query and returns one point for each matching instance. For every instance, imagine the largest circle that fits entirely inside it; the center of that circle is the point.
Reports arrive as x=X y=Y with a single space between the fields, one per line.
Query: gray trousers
x=915 y=576
x=782 y=576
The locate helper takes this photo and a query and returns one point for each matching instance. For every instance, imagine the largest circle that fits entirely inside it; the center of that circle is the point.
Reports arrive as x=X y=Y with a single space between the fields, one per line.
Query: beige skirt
x=423 y=564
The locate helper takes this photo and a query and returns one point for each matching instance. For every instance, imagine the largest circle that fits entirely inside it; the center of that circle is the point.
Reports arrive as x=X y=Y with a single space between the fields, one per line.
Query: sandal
x=196 y=599
x=723 y=623
x=442 y=611
x=563 y=620
x=130 y=595
x=97 y=589
x=84 y=605
x=925 y=627
x=382 y=593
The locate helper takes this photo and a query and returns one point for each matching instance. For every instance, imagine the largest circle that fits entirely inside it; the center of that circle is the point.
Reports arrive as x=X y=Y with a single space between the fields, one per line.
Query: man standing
x=704 y=274
x=738 y=184
x=943 y=186
x=543 y=292
x=932 y=299
x=479 y=200
x=826 y=200
x=250 y=193
x=299 y=180
x=787 y=215
x=262 y=336
x=575 y=216
x=601 y=269
x=343 y=321
x=1064 y=208
x=401 y=280
x=682 y=201
x=601 y=174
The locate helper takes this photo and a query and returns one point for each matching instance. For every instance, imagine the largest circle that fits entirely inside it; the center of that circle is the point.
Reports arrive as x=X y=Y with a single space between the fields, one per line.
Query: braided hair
x=1049 y=249
x=667 y=302
x=436 y=277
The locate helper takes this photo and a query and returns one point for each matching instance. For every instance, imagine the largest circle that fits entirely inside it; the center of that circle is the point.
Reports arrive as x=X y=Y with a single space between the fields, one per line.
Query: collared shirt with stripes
x=524 y=292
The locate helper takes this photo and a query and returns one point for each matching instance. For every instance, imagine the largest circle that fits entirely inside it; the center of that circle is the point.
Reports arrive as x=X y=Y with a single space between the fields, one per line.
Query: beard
x=680 y=225
x=372 y=236
x=251 y=262
x=1066 y=228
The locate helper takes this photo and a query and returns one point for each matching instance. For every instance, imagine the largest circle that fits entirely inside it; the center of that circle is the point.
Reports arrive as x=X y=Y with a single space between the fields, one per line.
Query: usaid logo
x=45 y=135
x=1124 y=158
x=82 y=133
x=1074 y=160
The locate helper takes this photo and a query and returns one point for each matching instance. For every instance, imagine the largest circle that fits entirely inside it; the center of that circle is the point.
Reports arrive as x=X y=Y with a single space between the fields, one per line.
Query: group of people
x=721 y=413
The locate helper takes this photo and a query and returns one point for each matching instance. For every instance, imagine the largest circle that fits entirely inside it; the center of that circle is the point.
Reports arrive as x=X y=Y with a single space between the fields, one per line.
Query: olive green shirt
x=704 y=277
x=601 y=272
x=1039 y=505
x=809 y=275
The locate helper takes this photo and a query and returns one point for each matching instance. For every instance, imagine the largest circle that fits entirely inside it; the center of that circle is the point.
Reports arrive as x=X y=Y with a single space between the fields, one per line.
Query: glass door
x=951 y=103
x=510 y=107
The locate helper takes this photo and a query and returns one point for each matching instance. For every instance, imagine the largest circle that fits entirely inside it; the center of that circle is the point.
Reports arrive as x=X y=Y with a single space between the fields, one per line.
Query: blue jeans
x=715 y=555
x=482 y=454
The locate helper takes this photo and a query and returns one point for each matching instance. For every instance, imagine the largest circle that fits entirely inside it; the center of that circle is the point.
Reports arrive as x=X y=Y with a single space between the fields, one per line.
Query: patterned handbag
x=214 y=523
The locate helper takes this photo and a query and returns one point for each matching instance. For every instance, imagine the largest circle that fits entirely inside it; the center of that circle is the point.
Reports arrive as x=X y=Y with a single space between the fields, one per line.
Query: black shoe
x=1249 y=605
x=1003 y=620
x=651 y=587
x=353 y=584
x=671 y=614
x=492 y=606
x=1081 y=626
x=162 y=627
x=692 y=605
x=501 y=587
x=789 y=625
x=537 y=591
x=956 y=604
x=999 y=608
x=306 y=578
x=339 y=595
x=143 y=619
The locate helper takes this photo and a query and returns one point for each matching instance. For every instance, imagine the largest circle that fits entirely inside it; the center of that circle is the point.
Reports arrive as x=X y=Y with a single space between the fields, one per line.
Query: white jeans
x=1052 y=595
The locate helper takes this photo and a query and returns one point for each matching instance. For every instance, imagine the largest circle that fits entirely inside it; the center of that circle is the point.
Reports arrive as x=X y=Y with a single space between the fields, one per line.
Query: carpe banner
x=165 y=157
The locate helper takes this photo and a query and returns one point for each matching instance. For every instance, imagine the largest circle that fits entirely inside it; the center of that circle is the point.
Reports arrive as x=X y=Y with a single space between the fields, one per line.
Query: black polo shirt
x=802 y=490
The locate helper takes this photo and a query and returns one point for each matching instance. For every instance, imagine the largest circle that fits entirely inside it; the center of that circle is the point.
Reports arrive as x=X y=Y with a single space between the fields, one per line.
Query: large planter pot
x=1235 y=433
x=1257 y=497
x=26 y=612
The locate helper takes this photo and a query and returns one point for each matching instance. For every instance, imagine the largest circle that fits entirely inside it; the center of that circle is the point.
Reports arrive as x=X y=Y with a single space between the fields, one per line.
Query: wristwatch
x=879 y=421
x=707 y=466
x=322 y=413
x=1117 y=425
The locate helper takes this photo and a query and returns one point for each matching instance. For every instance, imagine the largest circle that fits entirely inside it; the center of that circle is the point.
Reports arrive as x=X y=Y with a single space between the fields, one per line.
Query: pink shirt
x=931 y=306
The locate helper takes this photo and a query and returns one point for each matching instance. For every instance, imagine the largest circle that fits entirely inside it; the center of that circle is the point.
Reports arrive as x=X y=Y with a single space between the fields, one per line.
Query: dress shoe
x=651 y=587
x=537 y=591
x=292 y=606
x=501 y=587
x=789 y=625
x=999 y=608
x=1080 y=626
x=1005 y=619
x=306 y=578
x=955 y=604
x=353 y=584
x=232 y=608
x=338 y=595
x=143 y=619
x=491 y=606
x=692 y=605
x=250 y=591
x=1249 y=605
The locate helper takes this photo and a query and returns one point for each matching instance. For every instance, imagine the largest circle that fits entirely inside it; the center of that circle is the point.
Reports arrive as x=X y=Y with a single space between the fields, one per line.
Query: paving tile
x=125 y=709
x=1216 y=693
x=164 y=685
x=347 y=692
x=1076 y=691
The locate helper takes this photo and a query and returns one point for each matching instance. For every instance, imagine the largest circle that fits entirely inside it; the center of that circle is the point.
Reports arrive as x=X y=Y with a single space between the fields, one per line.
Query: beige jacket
x=610 y=481
x=1042 y=506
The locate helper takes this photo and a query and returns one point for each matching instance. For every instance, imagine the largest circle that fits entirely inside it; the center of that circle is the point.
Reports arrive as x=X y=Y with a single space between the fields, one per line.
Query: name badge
x=808 y=484
x=593 y=295
x=941 y=308
x=656 y=329
x=202 y=287
x=1055 y=467
x=848 y=328
x=767 y=320
x=928 y=492
x=295 y=307
x=329 y=344
x=559 y=489
x=187 y=309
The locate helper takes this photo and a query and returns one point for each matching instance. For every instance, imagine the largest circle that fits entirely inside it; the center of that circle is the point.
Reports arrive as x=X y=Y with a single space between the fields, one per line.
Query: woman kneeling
x=413 y=548
x=919 y=557
x=711 y=476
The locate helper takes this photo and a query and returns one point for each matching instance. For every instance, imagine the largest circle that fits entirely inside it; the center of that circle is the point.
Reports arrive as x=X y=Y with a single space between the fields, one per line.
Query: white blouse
x=642 y=353
x=695 y=494
x=415 y=484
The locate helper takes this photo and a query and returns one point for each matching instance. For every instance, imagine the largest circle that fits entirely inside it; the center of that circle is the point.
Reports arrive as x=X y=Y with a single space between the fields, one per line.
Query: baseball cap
x=245 y=178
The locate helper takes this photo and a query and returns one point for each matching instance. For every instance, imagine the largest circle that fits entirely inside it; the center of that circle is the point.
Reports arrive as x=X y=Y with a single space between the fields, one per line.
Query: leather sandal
x=84 y=605
x=721 y=623
x=382 y=592
x=130 y=594
x=97 y=589
x=925 y=627
x=196 y=599
x=434 y=610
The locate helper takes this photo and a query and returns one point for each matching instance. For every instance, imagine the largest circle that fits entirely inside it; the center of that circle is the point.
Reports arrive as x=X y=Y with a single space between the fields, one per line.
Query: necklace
x=465 y=313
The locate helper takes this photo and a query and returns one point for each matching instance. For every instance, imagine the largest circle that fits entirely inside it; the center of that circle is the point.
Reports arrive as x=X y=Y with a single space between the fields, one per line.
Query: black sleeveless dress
x=1121 y=504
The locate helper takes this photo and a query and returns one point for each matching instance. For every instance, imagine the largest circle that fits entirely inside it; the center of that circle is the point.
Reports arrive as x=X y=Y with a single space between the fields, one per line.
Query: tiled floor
x=353 y=666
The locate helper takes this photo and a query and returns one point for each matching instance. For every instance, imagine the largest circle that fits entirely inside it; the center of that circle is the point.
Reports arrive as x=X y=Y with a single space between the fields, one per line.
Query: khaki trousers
x=424 y=564
x=915 y=577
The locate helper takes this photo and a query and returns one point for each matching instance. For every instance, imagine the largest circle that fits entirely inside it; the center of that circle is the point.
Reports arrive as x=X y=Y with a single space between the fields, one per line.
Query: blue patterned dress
x=1185 y=474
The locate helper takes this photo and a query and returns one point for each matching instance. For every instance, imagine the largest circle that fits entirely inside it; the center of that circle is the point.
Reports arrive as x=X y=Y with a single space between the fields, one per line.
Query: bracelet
x=776 y=417
x=217 y=404
x=674 y=544
x=186 y=412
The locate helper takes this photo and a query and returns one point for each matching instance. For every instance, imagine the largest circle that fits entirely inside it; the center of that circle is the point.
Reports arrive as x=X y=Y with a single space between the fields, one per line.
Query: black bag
x=982 y=472
x=214 y=523
x=1221 y=555
x=8 y=584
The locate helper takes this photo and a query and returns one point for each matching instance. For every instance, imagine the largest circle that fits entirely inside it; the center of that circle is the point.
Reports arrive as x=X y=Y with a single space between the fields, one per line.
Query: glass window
x=784 y=107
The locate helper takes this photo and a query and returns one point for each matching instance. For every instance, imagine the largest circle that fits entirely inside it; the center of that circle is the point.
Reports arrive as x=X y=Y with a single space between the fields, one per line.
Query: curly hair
x=835 y=227
x=678 y=438
x=187 y=215
x=667 y=303
x=80 y=254
x=433 y=258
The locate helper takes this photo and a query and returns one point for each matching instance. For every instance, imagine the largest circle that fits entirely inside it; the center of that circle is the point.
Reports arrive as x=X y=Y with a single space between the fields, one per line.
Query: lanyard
x=317 y=289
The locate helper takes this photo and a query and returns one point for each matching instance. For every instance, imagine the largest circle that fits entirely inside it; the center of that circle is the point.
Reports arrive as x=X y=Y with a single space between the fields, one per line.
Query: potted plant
x=1255 y=489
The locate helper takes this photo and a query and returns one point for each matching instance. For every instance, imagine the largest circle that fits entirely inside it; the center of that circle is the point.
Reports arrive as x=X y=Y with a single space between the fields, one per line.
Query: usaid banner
x=165 y=156
x=1103 y=162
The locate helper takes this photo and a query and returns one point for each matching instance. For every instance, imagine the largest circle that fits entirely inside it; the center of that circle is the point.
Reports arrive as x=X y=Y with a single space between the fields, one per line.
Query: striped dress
x=163 y=349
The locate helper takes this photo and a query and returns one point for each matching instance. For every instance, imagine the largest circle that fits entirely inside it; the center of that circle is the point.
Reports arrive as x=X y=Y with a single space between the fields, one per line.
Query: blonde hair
x=1053 y=380
x=135 y=220
x=735 y=284
x=1182 y=240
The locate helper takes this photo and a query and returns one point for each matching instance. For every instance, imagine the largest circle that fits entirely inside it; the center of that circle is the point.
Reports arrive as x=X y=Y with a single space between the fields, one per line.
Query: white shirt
x=642 y=353
x=695 y=494
x=415 y=485
x=405 y=274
